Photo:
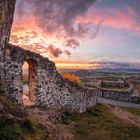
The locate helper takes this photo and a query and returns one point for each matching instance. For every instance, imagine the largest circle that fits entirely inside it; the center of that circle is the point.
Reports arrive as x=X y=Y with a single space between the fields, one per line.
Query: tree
x=74 y=79
x=6 y=18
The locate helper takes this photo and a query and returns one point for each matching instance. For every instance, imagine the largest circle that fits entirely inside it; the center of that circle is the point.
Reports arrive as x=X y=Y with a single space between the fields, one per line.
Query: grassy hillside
x=100 y=124
x=134 y=111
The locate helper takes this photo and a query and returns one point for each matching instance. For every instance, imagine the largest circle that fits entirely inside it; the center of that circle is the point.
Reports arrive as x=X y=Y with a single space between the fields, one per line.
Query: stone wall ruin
x=130 y=94
x=48 y=88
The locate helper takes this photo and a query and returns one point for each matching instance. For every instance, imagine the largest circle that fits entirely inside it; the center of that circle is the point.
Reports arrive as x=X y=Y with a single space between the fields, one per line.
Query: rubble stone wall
x=115 y=83
x=47 y=87
x=121 y=95
x=6 y=18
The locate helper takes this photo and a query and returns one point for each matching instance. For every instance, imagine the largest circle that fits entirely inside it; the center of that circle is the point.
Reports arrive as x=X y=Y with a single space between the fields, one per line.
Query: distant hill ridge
x=117 y=70
x=102 y=70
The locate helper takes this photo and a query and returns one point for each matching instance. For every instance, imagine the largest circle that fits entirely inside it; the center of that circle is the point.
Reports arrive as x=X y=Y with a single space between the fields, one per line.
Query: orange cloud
x=26 y=34
x=73 y=64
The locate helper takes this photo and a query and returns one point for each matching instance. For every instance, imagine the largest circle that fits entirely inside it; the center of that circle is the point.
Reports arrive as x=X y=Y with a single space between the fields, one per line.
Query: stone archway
x=30 y=97
x=63 y=94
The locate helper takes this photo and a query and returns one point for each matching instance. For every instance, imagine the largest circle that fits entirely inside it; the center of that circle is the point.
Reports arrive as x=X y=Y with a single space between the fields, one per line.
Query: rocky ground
x=51 y=121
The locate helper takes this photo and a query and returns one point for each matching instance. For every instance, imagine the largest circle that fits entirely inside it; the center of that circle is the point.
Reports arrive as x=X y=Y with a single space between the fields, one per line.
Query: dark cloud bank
x=57 y=17
x=117 y=65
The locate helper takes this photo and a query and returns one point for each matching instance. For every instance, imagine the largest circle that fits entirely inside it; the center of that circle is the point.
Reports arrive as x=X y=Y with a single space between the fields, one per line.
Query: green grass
x=14 y=131
x=134 y=111
x=10 y=132
x=114 y=88
x=100 y=124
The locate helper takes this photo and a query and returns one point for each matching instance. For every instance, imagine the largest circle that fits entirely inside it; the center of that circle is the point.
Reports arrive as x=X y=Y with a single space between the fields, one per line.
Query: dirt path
x=117 y=103
x=126 y=116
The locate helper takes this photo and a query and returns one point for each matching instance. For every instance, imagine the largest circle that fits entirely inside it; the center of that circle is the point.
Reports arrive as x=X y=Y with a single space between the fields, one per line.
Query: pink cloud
x=124 y=19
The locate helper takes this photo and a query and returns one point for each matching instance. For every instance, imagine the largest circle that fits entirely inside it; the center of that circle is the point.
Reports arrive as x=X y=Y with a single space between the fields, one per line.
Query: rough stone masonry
x=6 y=19
x=130 y=94
x=47 y=88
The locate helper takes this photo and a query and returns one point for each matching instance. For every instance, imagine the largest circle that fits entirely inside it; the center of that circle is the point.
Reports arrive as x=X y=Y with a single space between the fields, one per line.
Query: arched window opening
x=29 y=82
x=25 y=78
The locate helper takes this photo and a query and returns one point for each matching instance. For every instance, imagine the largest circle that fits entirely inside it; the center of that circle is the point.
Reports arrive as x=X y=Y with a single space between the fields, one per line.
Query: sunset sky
x=80 y=34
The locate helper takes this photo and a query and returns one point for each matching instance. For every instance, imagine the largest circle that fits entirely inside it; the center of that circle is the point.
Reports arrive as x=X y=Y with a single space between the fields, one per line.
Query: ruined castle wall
x=117 y=95
x=51 y=89
x=115 y=83
x=121 y=95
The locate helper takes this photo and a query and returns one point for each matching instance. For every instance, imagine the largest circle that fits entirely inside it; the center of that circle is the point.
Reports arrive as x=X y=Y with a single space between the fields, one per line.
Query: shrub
x=10 y=132
x=74 y=79
x=30 y=123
